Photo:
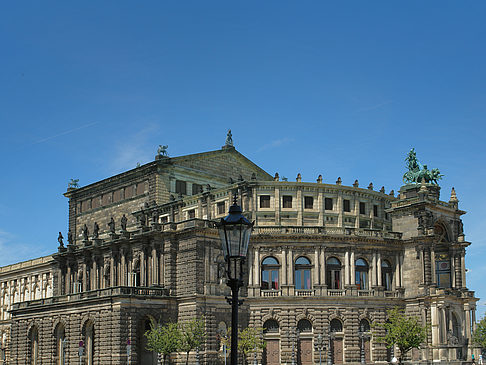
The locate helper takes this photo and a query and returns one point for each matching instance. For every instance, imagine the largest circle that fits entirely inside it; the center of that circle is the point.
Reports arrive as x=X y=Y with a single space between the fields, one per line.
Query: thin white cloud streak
x=135 y=150
x=65 y=132
x=274 y=144
x=373 y=107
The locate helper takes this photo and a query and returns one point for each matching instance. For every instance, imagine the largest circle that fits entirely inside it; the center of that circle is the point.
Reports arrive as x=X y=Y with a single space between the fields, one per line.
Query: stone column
x=463 y=269
x=467 y=315
x=457 y=270
x=155 y=266
x=68 y=280
x=444 y=325
x=374 y=271
x=284 y=267
x=143 y=268
x=346 y=268
x=434 y=321
x=249 y=259
x=291 y=268
x=378 y=266
x=162 y=268
x=427 y=268
x=398 y=282
x=112 y=271
x=94 y=275
x=356 y=212
x=277 y=206
x=257 y=267
x=323 y=265
x=316 y=267
x=320 y=205
x=300 y=203
x=352 y=279
x=123 y=274
x=433 y=278
x=340 y=208
x=85 y=274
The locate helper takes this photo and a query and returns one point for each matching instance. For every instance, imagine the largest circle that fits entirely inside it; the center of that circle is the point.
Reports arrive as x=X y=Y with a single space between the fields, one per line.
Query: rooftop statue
x=162 y=150
x=229 y=138
x=418 y=173
x=73 y=184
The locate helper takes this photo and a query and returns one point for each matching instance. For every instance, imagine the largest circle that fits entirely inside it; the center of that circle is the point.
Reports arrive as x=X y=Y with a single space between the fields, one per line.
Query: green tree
x=163 y=339
x=193 y=335
x=404 y=331
x=250 y=339
x=479 y=335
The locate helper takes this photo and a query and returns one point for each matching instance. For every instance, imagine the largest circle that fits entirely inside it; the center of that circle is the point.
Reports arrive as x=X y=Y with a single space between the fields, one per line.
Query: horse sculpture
x=418 y=173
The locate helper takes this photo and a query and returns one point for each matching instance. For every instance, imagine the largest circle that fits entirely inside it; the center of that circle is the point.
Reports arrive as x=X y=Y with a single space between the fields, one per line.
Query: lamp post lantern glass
x=234 y=231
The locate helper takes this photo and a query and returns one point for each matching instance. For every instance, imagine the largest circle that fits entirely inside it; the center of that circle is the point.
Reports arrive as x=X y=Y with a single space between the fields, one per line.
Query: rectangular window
x=196 y=189
x=375 y=210
x=164 y=219
x=287 y=201
x=308 y=202
x=140 y=188
x=181 y=187
x=346 y=205
x=191 y=214
x=362 y=208
x=328 y=203
x=264 y=201
x=221 y=208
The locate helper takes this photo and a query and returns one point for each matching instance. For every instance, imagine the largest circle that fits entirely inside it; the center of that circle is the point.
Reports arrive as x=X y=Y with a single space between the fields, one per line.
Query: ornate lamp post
x=234 y=231
x=319 y=346
x=331 y=336
x=363 y=336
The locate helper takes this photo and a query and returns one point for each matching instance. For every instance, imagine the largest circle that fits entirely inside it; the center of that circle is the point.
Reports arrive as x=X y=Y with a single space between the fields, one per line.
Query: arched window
x=333 y=273
x=364 y=325
x=271 y=326
x=270 y=268
x=361 y=274
x=106 y=276
x=89 y=335
x=386 y=275
x=135 y=279
x=336 y=325
x=59 y=333
x=302 y=273
x=34 y=345
x=304 y=326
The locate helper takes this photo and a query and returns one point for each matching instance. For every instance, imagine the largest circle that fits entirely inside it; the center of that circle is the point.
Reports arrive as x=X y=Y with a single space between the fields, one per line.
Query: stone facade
x=325 y=259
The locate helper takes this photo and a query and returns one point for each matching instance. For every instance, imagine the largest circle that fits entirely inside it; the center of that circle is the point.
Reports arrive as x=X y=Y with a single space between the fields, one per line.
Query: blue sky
x=88 y=89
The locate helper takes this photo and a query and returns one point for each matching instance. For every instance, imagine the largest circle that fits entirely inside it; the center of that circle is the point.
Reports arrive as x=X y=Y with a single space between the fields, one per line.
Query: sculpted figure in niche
x=124 y=221
x=70 y=237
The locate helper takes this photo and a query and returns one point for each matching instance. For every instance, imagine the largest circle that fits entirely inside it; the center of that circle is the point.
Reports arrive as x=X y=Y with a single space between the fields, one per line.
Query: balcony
x=130 y=291
x=270 y=293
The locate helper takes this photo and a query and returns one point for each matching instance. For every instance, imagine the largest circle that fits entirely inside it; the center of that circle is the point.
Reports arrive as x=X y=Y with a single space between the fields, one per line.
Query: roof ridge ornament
x=418 y=173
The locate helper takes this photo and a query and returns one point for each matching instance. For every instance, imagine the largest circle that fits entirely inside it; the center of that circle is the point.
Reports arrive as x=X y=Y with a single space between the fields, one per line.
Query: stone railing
x=365 y=293
x=305 y=292
x=335 y=292
x=339 y=231
x=101 y=293
x=271 y=293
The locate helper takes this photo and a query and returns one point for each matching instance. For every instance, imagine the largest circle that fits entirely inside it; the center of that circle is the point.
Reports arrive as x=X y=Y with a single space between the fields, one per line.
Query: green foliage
x=479 y=335
x=403 y=331
x=163 y=339
x=248 y=340
x=251 y=338
x=193 y=335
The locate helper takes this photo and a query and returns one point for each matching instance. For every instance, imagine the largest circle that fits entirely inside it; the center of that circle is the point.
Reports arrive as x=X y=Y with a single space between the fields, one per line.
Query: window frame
x=272 y=270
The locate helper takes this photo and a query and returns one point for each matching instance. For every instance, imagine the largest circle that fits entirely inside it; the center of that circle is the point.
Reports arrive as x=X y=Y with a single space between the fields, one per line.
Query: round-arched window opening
x=361 y=267
x=304 y=326
x=271 y=326
x=364 y=325
x=386 y=275
x=302 y=273
x=333 y=273
x=336 y=325
x=270 y=269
